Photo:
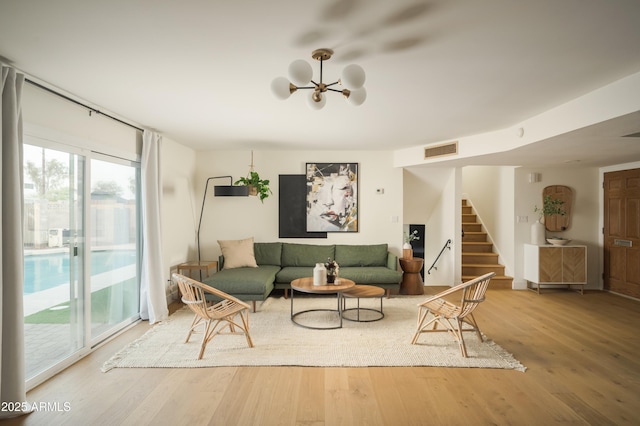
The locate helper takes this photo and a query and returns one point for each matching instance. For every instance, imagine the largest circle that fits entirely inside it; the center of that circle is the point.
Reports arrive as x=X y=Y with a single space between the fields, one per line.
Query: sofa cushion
x=306 y=254
x=361 y=255
x=268 y=253
x=238 y=253
x=240 y=281
x=371 y=275
x=290 y=273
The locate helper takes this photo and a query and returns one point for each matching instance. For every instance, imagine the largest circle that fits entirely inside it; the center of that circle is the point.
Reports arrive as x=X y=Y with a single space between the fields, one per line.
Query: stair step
x=477 y=247
x=498 y=282
x=483 y=258
x=467 y=210
x=475 y=236
x=480 y=269
x=469 y=218
x=471 y=227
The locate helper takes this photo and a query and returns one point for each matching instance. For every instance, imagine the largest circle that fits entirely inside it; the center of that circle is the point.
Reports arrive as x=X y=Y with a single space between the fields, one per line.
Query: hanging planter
x=257 y=187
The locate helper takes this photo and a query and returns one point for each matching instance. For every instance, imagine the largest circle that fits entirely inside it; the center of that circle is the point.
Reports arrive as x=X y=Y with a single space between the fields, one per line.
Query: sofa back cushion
x=306 y=254
x=361 y=255
x=268 y=253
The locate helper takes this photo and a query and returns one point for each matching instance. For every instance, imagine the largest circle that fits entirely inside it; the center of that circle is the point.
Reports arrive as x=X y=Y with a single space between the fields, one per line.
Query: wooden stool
x=363 y=292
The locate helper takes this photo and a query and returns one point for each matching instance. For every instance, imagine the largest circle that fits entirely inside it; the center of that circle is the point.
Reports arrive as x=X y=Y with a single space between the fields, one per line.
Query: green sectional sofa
x=280 y=263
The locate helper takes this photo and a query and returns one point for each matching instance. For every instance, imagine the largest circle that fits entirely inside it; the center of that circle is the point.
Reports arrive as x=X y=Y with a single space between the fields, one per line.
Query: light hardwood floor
x=582 y=355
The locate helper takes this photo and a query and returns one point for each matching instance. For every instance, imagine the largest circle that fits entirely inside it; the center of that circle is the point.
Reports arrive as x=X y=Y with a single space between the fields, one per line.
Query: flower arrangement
x=331 y=267
x=550 y=207
x=411 y=237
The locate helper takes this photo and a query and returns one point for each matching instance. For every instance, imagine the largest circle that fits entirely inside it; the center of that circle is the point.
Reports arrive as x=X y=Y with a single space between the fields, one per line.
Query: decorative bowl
x=557 y=241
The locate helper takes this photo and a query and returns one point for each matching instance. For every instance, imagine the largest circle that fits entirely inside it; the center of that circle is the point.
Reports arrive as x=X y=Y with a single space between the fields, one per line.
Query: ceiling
x=200 y=71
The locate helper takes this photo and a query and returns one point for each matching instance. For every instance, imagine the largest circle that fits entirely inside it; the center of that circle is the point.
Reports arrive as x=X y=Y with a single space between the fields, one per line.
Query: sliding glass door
x=54 y=245
x=114 y=239
x=77 y=291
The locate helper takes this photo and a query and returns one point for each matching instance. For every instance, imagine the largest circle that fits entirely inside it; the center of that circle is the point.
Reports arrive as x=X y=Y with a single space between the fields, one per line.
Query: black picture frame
x=292 y=210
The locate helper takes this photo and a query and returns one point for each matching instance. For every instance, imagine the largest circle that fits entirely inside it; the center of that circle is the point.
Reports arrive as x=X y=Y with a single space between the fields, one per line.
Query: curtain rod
x=91 y=110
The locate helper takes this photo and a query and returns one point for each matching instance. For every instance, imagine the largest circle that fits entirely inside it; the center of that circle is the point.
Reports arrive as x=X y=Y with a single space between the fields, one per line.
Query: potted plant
x=257 y=186
x=407 y=249
x=550 y=207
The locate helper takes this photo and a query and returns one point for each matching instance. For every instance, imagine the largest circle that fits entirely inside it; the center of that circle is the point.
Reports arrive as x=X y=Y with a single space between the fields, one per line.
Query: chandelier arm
x=334 y=90
x=307 y=87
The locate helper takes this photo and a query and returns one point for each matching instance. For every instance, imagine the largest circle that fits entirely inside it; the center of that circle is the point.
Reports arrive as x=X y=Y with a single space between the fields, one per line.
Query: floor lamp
x=220 y=191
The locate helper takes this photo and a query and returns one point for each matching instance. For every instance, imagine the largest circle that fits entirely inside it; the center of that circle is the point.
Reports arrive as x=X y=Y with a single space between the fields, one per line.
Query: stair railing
x=447 y=245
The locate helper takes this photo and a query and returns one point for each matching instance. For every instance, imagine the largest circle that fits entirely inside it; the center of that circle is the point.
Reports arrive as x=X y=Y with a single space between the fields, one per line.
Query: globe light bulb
x=281 y=88
x=316 y=101
x=353 y=77
x=357 y=97
x=300 y=72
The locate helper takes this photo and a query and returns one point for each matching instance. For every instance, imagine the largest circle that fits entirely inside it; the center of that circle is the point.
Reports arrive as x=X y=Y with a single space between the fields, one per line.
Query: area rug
x=279 y=342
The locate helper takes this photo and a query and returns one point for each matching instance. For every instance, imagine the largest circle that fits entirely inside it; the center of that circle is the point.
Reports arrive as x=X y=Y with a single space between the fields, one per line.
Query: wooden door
x=622 y=232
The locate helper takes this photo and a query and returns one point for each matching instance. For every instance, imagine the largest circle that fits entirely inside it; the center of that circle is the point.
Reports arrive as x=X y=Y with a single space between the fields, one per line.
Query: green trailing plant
x=261 y=186
x=550 y=207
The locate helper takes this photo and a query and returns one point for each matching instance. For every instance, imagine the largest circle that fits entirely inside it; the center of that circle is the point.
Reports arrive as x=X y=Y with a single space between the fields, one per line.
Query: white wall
x=432 y=197
x=584 y=227
x=179 y=204
x=75 y=126
x=229 y=218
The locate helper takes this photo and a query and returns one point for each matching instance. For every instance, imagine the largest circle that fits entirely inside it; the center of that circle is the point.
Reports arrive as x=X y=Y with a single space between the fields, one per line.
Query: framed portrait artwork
x=332 y=197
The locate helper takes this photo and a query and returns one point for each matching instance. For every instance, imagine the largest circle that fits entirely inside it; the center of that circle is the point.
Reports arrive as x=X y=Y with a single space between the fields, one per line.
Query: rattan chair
x=229 y=313
x=451 y=316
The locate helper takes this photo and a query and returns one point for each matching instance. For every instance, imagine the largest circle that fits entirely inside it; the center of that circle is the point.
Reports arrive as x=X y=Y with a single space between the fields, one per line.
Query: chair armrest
x=392 y=261
x=222 y=294
x=458 y=288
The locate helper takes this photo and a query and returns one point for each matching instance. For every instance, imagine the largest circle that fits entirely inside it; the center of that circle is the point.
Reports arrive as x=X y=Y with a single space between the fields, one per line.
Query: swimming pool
x=45 y=271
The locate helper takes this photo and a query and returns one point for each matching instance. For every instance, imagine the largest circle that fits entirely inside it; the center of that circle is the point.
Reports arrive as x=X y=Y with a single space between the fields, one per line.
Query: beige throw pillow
x=238 y=253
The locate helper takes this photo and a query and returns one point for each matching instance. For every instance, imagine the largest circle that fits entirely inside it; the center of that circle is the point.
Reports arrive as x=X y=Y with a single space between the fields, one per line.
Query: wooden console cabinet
x=555 y=265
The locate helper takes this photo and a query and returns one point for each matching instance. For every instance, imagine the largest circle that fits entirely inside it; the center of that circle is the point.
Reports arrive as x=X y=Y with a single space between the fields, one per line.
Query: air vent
x=441 y=150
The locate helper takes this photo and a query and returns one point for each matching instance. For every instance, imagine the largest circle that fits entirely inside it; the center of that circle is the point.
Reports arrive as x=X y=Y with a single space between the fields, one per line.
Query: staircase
x=478 y=257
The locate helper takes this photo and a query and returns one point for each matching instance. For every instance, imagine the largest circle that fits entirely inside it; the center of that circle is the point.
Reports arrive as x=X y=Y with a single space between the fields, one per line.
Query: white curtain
x=153 y=297
x=12 y=369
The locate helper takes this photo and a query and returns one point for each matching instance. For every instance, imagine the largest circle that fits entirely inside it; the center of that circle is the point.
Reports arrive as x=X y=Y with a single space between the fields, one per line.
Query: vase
x=331 y=278
x=407 y=251
x=538 y=233
x=319 y=274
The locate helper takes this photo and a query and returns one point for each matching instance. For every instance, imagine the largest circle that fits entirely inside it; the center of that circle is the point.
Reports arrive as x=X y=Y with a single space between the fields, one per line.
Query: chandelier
x=301 y=74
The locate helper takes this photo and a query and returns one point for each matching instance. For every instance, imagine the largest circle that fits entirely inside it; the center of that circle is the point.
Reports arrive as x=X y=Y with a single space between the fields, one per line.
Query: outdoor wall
x=230 y=218
x=584 y=228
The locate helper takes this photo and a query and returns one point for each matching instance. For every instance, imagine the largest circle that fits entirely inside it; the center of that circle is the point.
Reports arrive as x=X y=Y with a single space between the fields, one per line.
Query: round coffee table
x=305 y=285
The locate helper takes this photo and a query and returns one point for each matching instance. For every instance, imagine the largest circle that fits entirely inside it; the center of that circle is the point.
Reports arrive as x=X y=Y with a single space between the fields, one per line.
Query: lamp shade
x=316 y=105
x=353 y=77
x=357 y=97
x=300 y=72
x=231 y=191
x=280 y=88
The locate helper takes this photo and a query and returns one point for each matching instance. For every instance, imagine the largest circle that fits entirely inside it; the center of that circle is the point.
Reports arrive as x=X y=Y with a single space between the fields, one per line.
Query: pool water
x=45 y=271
